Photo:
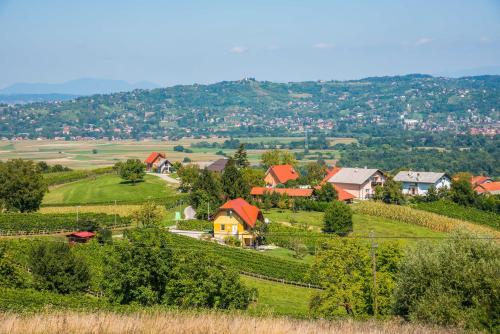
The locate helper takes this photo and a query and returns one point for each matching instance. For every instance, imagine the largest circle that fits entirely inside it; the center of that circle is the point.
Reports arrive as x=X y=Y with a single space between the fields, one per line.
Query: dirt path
x=166 y=178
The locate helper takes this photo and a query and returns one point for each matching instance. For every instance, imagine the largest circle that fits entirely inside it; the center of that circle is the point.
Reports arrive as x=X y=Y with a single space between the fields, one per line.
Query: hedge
x=38 y=223
x=195 y=225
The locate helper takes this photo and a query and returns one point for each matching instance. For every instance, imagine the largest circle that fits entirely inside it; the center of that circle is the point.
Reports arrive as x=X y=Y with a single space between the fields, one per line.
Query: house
x=280 y=174
x=490 y=188
x=218 y=165
x=299 y=192
x=477 y=180
x=418 y=183
x=237 y=218
x=80 y=237
x=359 y=182
x=157 y=162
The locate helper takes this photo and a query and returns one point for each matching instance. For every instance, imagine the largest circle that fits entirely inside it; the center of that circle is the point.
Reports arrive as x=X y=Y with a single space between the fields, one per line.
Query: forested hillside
x=368 y=106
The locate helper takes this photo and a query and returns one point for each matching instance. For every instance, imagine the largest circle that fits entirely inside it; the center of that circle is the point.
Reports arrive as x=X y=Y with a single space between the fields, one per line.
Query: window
x=222 y=227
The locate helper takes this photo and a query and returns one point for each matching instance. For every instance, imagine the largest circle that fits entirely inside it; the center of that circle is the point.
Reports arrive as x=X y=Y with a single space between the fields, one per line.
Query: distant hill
x=86 y=86
x=30 y=98
x=372 y=106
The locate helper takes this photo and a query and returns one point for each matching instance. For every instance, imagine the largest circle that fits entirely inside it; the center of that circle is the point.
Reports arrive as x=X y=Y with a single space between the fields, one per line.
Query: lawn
x=107 y=189
x=279 y=299
x=362 y=224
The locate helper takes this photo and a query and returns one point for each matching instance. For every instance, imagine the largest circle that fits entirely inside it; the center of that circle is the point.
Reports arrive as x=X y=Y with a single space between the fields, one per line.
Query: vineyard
x=453 y=210
x=37 y=223
x=195 y=225
x=52 y=179
x=410 y=215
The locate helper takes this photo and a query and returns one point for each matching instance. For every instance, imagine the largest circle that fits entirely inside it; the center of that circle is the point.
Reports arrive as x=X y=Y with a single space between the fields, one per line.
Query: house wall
x=365 y=190
x=353 y=189
x=270 y=180
x=423 y=188
x=228 y=221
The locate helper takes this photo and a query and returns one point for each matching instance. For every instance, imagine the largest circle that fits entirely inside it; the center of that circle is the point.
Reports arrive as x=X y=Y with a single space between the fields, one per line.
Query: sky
x=183 y=42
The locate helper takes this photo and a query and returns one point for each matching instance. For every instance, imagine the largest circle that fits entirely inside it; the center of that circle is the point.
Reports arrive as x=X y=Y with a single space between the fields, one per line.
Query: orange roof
x=153 y=156
x=292 y=192
x=475 y=180
x=330 y=173
x=491 y=187
x=247 y=212
x=283 y=173
x=342 y=194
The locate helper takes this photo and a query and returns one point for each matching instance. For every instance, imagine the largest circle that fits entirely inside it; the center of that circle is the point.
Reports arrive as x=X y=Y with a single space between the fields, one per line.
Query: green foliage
x=55 y=268
x=314 y=173
x=253 y=177
x=390 y=192
x=188 y=175
x=344 y=268
x=240 y=157
x=21 y=186
x=232 y=241
x=232 y=182
x=278 y=157
x=461 y=192
x=148 y=215
x=206 y=194
x=453 y=283
x=16 y=223
x=195 y=225
x=131 y=170
x=10 y=274
x=338 y=218
x=326 y=193
x=453 y=210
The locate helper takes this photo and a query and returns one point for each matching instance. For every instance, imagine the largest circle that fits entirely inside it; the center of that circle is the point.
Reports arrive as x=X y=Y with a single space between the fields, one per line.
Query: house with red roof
x=299 y=192
x=488 y=188
x=157 y=162
x=237 y=218
x=280 y=174
x=359 y=182
x=80 y=237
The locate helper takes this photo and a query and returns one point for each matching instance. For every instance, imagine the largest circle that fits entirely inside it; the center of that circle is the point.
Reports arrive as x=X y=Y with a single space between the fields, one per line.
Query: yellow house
x=237 y=218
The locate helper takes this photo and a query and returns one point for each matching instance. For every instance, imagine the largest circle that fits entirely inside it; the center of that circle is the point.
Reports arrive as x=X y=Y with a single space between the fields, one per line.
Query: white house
x=418 y=183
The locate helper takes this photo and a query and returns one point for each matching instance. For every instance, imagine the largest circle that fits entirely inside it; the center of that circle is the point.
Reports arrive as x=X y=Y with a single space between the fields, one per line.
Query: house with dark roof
x=237 y=218
x=218 y=165
x=418 y=183
x=157 y=162
x=359 y=182
x=280 y=174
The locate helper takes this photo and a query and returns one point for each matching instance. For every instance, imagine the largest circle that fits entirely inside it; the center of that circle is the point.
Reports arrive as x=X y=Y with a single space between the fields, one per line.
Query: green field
x=362 y=224
x=279 y=299
x=107 y=189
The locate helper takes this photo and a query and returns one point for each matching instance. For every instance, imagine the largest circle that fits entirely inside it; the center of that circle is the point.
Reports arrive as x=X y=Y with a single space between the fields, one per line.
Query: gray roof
x=420 y=177
x=163 y=161
x=218 y=165
x=353 y=175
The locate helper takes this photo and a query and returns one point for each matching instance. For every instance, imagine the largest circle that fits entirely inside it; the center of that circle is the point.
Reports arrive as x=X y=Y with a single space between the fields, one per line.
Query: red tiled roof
x=284 y=173
x=491 y=187
x=292 y=192
x=247 y=212
x=153 y=156
x=330 y=173
x=342 y=194
x=475 y=180
x=82 y=234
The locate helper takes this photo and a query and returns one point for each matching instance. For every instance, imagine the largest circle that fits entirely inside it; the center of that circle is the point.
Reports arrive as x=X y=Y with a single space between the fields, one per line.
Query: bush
x=454 y=283
x=232 y=241
x=131 y=170
x=338 y=218
x=195 y=225
x=310 y=205
x=56 y=269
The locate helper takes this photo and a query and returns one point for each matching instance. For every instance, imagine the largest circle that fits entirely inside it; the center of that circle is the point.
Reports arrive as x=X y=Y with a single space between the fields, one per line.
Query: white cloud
x=238 y=49
x=322 y=45
x=423 y=41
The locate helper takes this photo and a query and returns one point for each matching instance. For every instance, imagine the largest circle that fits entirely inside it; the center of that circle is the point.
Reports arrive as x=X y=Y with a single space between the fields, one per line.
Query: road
x=165 y=177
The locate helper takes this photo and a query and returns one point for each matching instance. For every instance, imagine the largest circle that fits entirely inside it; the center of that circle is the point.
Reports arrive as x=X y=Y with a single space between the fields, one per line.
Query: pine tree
x=240 y=157
x=233 y=183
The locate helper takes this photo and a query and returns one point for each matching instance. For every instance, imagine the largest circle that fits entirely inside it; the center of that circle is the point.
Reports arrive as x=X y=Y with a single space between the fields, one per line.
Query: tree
x=344 y=268
x=326 y=193
x=148 y=215
x=188 y=175
x=253 y=177
x=390 y=192
x=233 y=183
x=131 y=170
x=240 y=157
x=461 y=192
x=179 y=148
x=314 y=173
x=206 y=194
x=140 y=270
x=10 y=274
x=21 y=186
x=338 y=218
x=452 y=283
x=56 y=268
x=278 y=157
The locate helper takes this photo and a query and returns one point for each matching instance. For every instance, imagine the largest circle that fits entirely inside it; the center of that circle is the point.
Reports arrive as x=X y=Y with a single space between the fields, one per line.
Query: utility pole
x=374 y=272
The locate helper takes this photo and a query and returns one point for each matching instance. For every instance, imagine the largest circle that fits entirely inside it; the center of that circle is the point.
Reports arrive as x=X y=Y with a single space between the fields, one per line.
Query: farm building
x=237 y=218
x=359 y=182
x=280 y=174
x=80 y=237
x=490 y=188
x=418 y=183
x=218 y=165
x=157 y=162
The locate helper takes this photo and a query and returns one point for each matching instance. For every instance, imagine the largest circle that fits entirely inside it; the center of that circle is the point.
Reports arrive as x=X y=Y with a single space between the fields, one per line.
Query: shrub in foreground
x=338 y=218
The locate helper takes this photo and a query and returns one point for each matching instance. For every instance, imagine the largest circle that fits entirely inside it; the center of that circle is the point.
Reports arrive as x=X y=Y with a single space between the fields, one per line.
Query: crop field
x=107 y=189
x=98 y=153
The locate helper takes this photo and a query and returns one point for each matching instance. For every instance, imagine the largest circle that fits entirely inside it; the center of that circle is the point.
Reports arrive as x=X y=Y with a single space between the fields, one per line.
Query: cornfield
x=193 y=323
x=430 y=220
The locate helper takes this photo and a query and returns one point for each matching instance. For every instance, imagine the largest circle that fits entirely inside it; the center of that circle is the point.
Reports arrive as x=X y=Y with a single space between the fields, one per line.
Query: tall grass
x=194 y=323
x=430 y=220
